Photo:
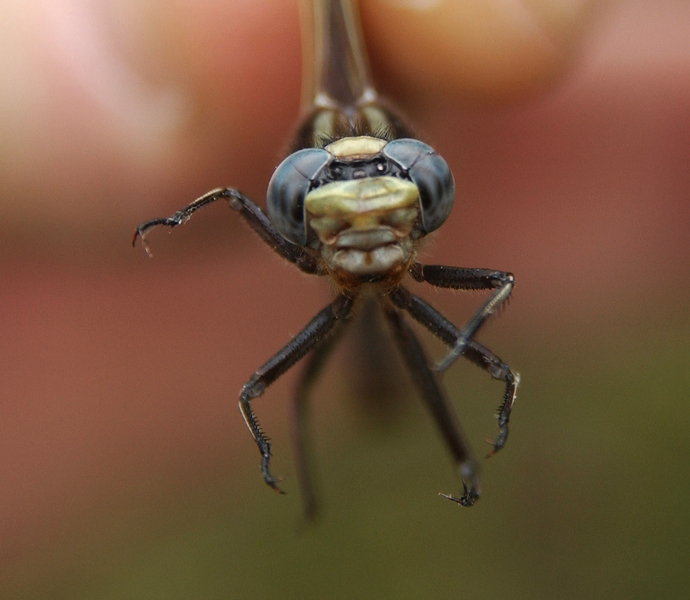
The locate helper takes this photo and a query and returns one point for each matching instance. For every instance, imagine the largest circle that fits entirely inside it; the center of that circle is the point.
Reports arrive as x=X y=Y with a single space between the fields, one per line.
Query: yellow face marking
x=359 y=196
x=369 y=204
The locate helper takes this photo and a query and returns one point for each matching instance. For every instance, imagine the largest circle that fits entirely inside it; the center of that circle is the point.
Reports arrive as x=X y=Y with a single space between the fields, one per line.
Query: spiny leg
x=487 y=360
x=428 y=386
x=458 y=278
x=250 y=212
x=436 y=323
x=298 y=421
x=315 y=331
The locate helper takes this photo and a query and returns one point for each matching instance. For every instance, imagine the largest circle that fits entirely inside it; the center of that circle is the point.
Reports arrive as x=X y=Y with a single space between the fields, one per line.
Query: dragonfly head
x=362 y=201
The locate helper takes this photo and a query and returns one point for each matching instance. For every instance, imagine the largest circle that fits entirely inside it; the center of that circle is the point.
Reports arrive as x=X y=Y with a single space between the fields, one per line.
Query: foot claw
x=494 y=447
x=469 y=496
x=499 y=442
x=274 y=485
x=271 y=481
x=140 y=235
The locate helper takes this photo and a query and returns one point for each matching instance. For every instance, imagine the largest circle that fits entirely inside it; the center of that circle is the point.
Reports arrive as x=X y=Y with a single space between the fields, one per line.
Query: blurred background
x=125 y=467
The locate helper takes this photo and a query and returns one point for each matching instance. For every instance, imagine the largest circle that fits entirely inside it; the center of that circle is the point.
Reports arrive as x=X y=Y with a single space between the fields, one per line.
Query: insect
x=352 y=201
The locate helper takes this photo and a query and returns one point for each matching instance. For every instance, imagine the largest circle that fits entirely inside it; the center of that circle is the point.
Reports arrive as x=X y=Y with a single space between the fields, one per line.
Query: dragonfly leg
x=436 y=323
x=250 y=212
x=315 y=331
x=458 y=278
x=428 y=385
x=487 y=360
x=299 y=410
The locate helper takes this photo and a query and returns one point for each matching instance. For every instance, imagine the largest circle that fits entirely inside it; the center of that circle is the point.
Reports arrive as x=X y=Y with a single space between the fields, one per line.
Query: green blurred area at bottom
x=588 y=499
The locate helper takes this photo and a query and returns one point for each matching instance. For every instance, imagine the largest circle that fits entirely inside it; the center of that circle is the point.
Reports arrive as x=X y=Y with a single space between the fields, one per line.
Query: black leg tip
x=271 y=481
x=498 y=443
x=469 y=496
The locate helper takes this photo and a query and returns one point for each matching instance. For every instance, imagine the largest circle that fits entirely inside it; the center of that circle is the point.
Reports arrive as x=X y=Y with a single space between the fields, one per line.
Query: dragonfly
x=352 y=201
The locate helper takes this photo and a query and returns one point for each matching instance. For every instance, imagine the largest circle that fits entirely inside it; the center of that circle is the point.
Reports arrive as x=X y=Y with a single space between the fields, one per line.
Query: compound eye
x=287 y=189
x=430 y=173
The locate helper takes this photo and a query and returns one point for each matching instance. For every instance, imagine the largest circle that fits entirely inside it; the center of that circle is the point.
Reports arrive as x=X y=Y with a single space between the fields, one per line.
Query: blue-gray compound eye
x=287 y=189
x=430 y=174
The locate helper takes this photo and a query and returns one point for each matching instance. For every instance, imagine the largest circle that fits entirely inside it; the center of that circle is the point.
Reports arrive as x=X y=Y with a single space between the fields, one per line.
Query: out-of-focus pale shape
x=147 y=110
x=480 y=48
